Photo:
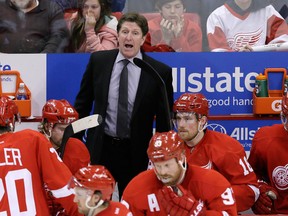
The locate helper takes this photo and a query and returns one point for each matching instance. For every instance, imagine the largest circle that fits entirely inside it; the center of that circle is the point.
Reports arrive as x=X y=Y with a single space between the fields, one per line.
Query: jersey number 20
x=11 y=192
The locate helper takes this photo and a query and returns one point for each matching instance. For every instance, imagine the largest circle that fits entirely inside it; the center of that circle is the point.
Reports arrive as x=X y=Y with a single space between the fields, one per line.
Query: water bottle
x=21 y=93
x=286 y=85
x=261 y=86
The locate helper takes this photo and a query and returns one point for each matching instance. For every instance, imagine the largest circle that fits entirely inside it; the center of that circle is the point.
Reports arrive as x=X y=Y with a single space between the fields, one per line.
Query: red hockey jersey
x=226 y=155
x=27 y=161
x=213 y=189
x=76 y=155
x=190 y=39
x=269 y=159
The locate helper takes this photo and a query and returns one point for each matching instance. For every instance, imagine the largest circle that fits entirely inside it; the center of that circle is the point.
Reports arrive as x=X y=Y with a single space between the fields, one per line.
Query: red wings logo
x=242 y=39
x=280 y=177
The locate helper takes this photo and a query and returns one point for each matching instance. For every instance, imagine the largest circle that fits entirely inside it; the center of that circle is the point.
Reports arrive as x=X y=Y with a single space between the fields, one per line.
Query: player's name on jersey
x=10 y=157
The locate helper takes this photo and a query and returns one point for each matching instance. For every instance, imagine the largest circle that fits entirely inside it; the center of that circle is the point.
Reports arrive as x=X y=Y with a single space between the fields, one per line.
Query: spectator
x=213 y=150
x=123 y=154
x=268 y=157
x=93 y=187
x=239 y=25
x=174 y=29
x=56 y=116
x=32 y=27
x=175 y=188
x=93 y=28
x=28 y=160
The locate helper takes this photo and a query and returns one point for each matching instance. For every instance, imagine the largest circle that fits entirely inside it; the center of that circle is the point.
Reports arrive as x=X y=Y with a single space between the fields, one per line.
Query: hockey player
x=175 y=188
x=268 y=157
x=93 y=186
x=213 y=150
x=56 y=116
x=27 y=160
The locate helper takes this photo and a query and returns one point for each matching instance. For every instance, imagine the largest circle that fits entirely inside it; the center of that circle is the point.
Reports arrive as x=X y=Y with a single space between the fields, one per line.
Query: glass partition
x=174 y=25
x=183 y=24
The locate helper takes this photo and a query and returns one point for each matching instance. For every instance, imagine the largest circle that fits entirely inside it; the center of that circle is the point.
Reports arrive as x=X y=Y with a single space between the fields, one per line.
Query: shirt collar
x=120 y=57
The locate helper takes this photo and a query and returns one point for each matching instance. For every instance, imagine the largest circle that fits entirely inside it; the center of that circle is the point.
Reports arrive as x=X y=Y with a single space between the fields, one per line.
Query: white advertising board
x=32 y=69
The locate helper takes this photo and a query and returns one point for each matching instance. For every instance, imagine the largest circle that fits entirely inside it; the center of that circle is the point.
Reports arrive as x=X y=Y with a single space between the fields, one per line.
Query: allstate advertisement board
x=226 y=79
x=241 y=130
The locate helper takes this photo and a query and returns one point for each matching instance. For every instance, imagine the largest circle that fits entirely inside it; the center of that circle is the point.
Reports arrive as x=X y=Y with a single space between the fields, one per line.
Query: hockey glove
x=180 y=202
x=264 y=204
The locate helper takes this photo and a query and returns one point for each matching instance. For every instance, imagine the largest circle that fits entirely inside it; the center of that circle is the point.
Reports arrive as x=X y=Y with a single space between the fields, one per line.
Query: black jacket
x=41 y=30
x=148 y=104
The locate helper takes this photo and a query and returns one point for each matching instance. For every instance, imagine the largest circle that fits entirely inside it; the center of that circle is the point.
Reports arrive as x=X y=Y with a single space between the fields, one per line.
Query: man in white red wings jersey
x=27 y=161
x=214 y=150
x=238 y=25
x=268 y=157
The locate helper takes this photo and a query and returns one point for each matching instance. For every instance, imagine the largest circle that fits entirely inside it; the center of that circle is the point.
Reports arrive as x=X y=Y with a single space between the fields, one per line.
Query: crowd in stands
x=62 y=26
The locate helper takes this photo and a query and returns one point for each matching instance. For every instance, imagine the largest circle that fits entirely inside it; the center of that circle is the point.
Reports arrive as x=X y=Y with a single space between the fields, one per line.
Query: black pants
x=116 y=156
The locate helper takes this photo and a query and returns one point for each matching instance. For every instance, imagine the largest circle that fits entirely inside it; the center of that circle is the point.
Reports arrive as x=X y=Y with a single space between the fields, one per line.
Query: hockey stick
x=147 y=67
x=77 y=126
x=271 y=47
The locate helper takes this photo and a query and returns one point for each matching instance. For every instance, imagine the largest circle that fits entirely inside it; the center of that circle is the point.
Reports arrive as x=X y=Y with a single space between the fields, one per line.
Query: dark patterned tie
x=122 y=128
